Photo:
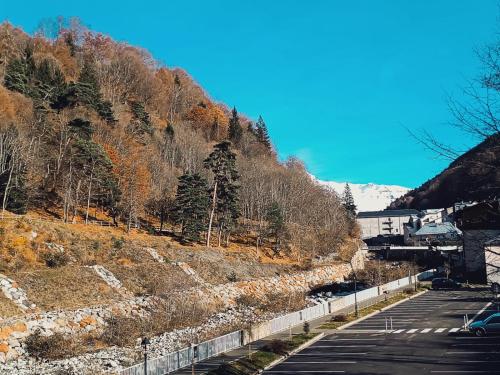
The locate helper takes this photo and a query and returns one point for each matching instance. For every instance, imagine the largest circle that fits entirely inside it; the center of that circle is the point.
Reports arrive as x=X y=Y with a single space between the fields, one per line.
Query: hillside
x=472 y=177
x=96 y=130
x=134 y=205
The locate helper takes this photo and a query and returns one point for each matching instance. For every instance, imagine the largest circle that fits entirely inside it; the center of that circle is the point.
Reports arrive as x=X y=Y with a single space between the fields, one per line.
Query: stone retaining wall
x=14 y=330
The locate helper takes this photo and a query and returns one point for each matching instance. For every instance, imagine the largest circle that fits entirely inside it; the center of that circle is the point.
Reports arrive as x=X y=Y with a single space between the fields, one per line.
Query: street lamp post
x=145 y=342
x=355 y=295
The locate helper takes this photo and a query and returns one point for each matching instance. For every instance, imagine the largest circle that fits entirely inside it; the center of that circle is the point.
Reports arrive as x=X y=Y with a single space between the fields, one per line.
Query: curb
x=347 y=325
x=296 y=350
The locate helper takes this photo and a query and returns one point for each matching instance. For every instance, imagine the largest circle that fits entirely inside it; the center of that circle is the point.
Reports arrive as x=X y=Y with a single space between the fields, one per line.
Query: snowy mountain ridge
x=368 y=197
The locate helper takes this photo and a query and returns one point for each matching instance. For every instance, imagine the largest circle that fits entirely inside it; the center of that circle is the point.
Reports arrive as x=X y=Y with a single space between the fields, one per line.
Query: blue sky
x=336 y=81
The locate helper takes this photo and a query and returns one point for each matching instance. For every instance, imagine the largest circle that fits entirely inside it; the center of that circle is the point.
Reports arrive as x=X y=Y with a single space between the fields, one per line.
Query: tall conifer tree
x=348 y=201
x=235 y=131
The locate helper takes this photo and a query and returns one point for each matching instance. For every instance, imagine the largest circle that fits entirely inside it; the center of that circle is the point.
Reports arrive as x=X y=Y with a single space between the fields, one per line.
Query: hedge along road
x=426 y=338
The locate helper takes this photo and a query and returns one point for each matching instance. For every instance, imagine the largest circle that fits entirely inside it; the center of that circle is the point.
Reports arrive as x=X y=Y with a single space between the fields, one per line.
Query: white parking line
x=315 y=362
x=413 y=330
x=326 y=354
x=465 y=372
x=343 y=346
x=426 y=330
x=480 y=312
x=399 y=331
x=307 y=371
x=439 y=330
x=465 y=352
x=454 y=330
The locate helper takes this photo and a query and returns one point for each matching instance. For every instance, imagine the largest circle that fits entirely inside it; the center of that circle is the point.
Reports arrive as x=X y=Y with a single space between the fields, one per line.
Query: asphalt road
x=425 y=339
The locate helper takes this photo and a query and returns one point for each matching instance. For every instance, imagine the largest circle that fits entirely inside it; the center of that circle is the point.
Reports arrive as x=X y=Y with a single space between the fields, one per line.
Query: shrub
x=51 y=347
x=339 y=318
x=55 y=259
x=118 y=242
x=232 y=277
x=306 y=328
x=249 y=301
x=408 y=291
x=277 y=346
x=122 y=331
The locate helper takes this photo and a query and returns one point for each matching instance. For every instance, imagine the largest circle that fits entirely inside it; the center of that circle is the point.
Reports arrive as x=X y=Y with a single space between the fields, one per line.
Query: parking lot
x=425 y=338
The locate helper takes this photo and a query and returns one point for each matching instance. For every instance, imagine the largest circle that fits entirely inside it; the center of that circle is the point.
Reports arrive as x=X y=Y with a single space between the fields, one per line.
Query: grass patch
x=335 y=323
x=64 y=287
x=260 y=359
x=8 y=308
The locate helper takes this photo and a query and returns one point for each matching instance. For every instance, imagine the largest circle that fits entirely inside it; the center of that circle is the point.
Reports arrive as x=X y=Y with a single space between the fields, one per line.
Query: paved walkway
x=212 y=363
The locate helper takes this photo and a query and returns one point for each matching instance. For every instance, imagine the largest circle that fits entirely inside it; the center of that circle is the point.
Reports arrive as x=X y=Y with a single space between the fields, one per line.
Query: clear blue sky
x=336 y=81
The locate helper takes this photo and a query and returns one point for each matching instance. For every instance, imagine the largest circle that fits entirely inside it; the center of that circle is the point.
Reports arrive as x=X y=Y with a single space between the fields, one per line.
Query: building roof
x=387 y=213
x=437 y=228
x=495 y=241
x=432 y=211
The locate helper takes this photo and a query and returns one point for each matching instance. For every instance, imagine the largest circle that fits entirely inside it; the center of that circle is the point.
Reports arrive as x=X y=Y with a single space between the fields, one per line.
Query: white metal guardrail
x=207 y=349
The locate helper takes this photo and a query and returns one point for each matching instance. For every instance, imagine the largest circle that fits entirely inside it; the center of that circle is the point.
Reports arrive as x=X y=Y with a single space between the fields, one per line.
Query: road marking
x=439 y=330
x=480 y=312
x=426 y=330
x=454 y=329
x=326 y=354
x=464 y=352
x=413 y=330
x=342 y=346
x=314 y=362
x=465 y=371
x=399 y=331
x=349 y=340
x=306 y=371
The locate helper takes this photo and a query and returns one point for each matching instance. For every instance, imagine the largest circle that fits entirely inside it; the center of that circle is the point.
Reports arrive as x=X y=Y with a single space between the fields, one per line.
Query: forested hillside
x=95 y=129
x=474 y=176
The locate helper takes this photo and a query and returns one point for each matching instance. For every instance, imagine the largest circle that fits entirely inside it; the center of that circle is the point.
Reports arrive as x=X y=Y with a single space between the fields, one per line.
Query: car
x=490 y=325
x=444 y=283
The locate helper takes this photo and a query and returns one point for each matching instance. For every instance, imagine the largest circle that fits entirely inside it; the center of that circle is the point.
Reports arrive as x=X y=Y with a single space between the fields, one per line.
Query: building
x=437 y=234
x=384 y=223
x=434 y=215
x=492 y=257
x=481 y=227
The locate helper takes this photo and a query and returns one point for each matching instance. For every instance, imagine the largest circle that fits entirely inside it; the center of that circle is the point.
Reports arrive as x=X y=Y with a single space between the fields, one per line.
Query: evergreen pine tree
x=348 y=201
x=141 y=121
x=235 y=131
x=222 y=163
x=275 y=222
x=262 y=134
x=191 y=206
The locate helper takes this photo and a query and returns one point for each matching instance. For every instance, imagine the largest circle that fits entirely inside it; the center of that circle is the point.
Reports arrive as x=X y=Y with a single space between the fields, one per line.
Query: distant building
x=434 y=215
x=385 y=223
x=492 y=257
x=437 y=234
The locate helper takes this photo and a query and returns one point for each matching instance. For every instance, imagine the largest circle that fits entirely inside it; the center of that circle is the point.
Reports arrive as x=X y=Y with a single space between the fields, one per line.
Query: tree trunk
x=220 y=235
x=88 y=199
x=212 y=214
x=6 y=191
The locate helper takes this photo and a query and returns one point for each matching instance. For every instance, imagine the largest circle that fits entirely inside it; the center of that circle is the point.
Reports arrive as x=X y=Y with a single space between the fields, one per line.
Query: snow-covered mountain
x=369 y=197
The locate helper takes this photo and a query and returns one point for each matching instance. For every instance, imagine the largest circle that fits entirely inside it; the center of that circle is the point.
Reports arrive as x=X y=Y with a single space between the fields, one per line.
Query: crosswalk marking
x=413 y=330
